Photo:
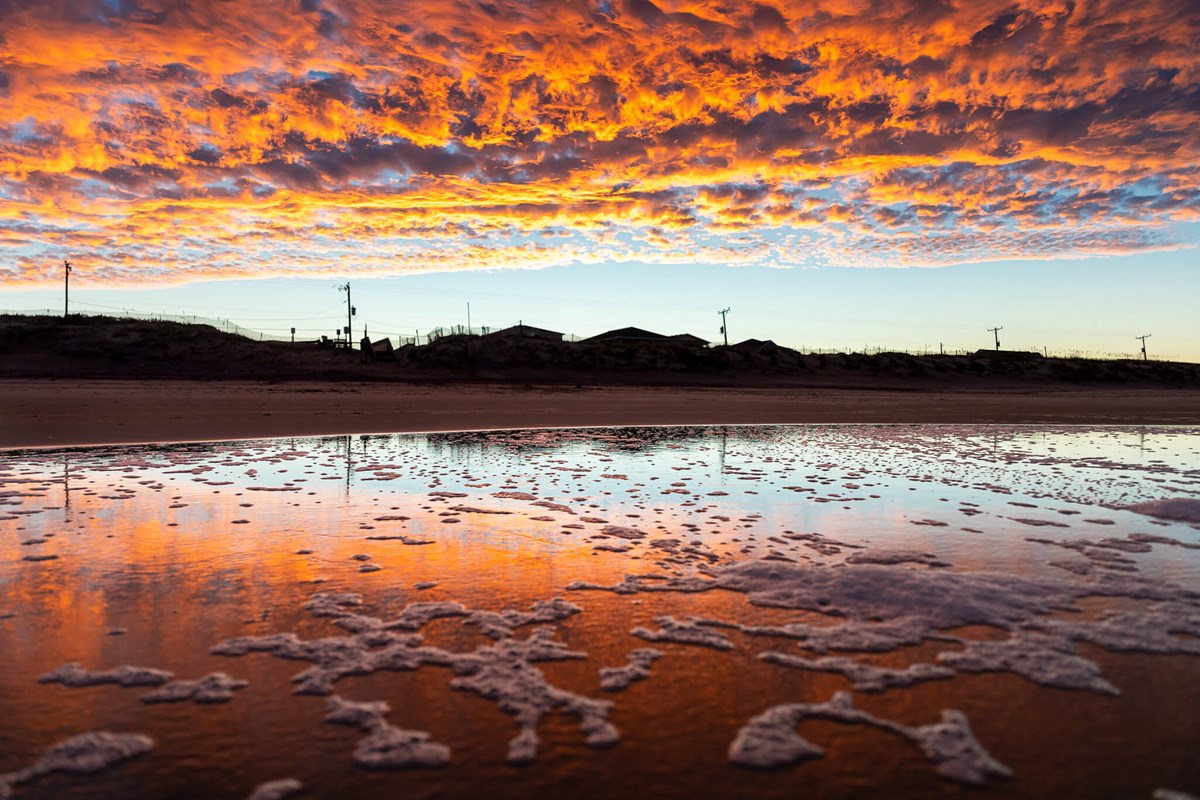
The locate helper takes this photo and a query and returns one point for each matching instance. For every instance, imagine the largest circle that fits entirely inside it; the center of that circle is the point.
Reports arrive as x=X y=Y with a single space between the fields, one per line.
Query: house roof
x=525 y=330
x=687 y=337
x=627 y=333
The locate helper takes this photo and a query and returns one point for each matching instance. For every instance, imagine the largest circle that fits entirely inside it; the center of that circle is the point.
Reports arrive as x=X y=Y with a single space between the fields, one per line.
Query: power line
x=757 y=311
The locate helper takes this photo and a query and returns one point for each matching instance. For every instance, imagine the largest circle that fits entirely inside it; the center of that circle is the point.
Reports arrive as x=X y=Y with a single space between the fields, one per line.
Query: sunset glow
x=174 y=141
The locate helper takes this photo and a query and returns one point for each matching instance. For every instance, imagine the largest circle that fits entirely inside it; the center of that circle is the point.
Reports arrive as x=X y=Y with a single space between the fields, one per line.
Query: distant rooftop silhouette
x=528 y=331
x=689 y=339
x=634 y=334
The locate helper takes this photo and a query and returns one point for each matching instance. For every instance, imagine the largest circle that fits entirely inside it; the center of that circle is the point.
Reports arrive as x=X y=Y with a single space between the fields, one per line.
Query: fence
x=434 y=334
x=187 y=319
x=1092 y=355
x=463 y=330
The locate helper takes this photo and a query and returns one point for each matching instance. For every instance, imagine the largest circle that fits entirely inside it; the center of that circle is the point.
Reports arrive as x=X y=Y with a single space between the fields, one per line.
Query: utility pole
x=1143 y=338
x=724 y=332
x=350 y=310
x=996 y=332
x=66 y=287
x=468 y=319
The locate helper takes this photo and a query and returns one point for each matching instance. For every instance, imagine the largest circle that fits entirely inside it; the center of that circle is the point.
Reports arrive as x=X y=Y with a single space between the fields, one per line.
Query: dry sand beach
x=58 y=413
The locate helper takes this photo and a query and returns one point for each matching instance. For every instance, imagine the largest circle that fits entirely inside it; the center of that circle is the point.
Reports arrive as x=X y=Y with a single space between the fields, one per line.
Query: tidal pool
x=767 y=611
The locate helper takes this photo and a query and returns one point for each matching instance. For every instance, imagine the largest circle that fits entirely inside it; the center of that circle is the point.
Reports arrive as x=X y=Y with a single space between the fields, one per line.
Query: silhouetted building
x=689 y=340
x=628 y=335
x=381 y=350
x=755 y=344
x=526 y=332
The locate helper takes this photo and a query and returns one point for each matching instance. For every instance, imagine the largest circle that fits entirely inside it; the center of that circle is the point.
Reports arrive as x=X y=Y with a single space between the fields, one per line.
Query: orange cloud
x=167 y=141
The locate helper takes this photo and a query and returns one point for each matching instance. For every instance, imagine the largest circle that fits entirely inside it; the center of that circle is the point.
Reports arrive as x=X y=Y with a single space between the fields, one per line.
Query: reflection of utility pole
x=724 y=332
x=1143 y=338
x=721 y=451
x=66 y=485
x=996 y=331
x=66 y=286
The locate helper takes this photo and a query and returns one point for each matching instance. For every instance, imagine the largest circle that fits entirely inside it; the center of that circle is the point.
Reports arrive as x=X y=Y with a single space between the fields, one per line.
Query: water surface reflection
x=1016 y=574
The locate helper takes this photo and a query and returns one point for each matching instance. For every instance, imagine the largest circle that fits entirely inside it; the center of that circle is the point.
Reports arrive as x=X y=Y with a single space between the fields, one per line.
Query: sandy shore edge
x=65 y=413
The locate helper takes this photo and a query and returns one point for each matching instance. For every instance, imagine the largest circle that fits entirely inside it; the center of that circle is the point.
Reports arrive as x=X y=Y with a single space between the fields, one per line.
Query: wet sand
x=816 y=610
x=59 y=413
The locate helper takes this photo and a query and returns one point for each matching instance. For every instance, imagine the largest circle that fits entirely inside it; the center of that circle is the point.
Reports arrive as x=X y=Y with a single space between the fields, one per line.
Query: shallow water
x=828 y=547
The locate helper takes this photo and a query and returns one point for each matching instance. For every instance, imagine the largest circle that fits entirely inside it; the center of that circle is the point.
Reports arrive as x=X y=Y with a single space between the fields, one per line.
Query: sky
x=839 y=173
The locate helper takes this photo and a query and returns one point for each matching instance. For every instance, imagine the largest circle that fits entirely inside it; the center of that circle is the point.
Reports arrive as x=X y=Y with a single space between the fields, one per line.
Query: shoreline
x=59 y=413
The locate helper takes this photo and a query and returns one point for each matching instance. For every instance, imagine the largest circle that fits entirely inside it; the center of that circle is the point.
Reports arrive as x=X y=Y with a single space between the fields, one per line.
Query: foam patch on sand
x=683 y=632
x=864 y=677
x=1048 y=660
x=1171 y=794
x=1148 y=538
x=1110 y=554
x=613 y=548
x=337 y=657
x=770 y=739
x=414 y=616
x=1186 y=509
x=632 y=584
x=83 y=753
x=1166 y=628
x=939 y=598
x=896 y=557
x=621 y=532
x=216 y=687
x=859 y=637
x=276 y=790
x=614 y=679
x=503 y=671
x=75 y=676
x=385 y=746
x=500 y=624
x=883 y=608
